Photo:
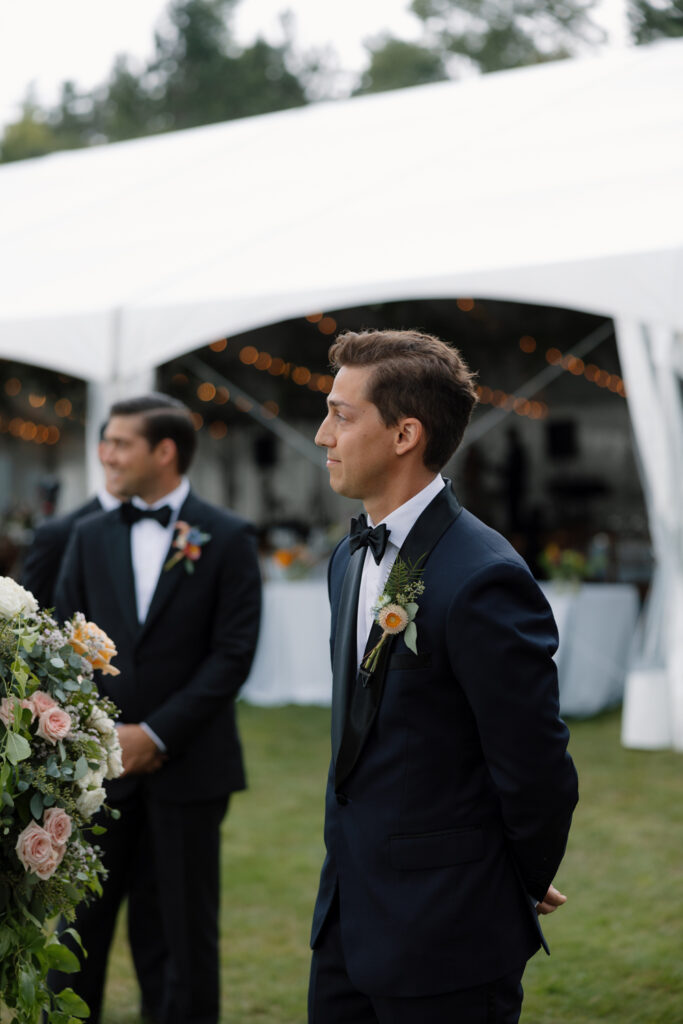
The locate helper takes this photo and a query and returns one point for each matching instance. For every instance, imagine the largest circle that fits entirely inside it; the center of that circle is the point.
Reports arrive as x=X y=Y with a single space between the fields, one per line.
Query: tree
x=497 y=34
x=395 y=63
x=198 y=75
x=28 y=137
x=658 y=19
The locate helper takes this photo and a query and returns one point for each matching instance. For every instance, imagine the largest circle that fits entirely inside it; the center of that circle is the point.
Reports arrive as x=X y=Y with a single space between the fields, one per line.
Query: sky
x=45 y=42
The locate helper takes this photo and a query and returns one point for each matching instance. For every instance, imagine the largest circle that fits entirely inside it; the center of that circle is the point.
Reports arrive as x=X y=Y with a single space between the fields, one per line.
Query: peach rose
x=36 y=852
x=57 y=824
x=42 y=701
x=93 y=644
x=54 y=724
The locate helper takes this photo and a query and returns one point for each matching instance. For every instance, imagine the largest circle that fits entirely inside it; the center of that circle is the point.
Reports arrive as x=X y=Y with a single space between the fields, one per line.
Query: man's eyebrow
x=337 y=402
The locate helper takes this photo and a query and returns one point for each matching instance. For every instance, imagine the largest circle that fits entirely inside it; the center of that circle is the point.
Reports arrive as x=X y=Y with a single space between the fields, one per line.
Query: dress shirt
x=149 y=544
x=107 y=500
x=399 y=522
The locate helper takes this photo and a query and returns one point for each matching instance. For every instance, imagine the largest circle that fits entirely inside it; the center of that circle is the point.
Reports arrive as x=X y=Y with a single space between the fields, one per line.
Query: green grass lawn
x=617 y=945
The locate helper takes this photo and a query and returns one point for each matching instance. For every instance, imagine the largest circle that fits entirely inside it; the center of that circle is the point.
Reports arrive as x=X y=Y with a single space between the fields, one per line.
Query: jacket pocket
x=436 y=849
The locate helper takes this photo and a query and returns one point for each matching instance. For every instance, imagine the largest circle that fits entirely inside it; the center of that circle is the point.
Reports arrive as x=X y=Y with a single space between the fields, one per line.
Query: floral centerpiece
x=58 y=743
x=564 y=565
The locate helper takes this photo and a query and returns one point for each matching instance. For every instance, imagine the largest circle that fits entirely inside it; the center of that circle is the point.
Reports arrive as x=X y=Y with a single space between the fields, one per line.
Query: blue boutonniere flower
x=189 y=541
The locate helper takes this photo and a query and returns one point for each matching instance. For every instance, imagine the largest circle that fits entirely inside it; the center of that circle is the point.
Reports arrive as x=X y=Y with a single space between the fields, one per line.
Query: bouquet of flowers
x=58 y=743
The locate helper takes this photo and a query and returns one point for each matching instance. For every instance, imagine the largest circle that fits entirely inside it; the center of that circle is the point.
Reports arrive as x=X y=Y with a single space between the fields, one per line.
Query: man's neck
x=158 y=489
x=378 y=507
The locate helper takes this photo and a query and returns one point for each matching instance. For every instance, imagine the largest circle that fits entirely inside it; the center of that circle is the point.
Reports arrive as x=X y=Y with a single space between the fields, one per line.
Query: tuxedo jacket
x=181 y=669
x=450 y=791
x=44 y=557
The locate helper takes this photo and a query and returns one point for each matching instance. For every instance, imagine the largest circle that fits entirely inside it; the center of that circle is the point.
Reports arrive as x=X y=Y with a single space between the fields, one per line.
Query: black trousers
x=165 y=858
x=333 y=999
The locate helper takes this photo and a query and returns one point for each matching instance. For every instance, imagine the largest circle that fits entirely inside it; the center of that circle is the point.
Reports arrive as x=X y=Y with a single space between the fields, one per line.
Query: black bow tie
x=133 y=514
x=361 y=535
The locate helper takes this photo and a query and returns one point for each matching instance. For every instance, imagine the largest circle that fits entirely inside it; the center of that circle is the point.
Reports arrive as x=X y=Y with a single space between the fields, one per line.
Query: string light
x=36 y=401
x=13 y=386
x=219 y=346
x=63 y=407
x=601 y=378
x=527 y=344
x=218 y=430
x=465 y=305
x=328 y=325
x=206 y=392
x=518 y=404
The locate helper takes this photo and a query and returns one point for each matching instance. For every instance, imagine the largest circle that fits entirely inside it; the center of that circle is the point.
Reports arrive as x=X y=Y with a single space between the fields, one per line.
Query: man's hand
x=140 y=753
x=551 y=901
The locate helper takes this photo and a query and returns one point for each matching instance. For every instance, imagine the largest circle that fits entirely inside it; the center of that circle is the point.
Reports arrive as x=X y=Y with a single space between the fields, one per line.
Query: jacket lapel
x=170 y=579
x=367 y=692
x=121 y=570
x=344 y=660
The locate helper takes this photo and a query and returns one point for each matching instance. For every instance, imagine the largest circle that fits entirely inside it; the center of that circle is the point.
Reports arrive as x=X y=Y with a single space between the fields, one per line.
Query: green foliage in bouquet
x=58 y=743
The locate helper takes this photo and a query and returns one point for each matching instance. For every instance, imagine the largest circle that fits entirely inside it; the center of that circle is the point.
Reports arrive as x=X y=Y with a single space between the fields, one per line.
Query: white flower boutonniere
x=396 y=607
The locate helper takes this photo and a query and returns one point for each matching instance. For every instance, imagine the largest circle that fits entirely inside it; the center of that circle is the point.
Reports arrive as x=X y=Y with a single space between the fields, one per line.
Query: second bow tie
x=133 y=514
x=361 y=535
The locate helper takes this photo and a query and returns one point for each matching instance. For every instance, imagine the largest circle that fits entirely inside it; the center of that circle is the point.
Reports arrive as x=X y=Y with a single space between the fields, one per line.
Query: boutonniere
x=189 y=541
x=396 y=607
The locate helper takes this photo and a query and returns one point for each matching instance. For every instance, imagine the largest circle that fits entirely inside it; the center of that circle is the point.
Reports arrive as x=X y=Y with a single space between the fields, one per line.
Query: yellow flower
x=393 y=619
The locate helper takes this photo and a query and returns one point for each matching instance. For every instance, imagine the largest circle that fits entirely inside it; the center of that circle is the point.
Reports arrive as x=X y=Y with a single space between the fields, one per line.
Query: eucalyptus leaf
x=80 y=768
x=410 y=637
x=412 y=610
x=56 y=662
x=18 y=748
x=37 y=805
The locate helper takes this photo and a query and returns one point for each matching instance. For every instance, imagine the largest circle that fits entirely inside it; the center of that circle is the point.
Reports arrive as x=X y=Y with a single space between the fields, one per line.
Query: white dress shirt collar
x=401 y=521
x=107 y=500
x=174 y=498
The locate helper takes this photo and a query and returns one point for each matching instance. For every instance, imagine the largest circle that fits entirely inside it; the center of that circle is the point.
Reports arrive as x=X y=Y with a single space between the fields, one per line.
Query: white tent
x=560 y=184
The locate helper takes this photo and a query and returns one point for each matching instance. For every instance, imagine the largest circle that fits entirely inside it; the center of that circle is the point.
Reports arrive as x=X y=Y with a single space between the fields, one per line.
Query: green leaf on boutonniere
x=410 y=637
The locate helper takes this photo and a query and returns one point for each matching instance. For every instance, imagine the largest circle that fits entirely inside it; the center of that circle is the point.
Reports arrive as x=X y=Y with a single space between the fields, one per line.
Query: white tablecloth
x=595 y=622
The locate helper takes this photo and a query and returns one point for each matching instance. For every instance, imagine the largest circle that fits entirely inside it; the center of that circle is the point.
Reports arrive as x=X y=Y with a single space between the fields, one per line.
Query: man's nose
x=323 y=438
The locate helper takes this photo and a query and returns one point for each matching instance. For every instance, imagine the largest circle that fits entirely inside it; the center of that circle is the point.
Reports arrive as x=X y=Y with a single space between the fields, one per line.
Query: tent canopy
x=560 y=184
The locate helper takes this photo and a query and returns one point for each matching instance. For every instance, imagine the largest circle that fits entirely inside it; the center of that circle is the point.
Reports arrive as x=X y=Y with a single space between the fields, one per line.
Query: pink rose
x=57 y=824
x=42 y=702
x=36 y=852
x=10 y=709
x=54 y=724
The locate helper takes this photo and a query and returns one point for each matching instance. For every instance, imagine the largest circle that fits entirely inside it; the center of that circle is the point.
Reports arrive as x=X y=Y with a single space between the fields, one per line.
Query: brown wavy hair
x=417 y=375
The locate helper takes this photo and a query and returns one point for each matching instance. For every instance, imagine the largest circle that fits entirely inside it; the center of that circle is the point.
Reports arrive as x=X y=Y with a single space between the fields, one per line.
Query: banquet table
x=595 y=622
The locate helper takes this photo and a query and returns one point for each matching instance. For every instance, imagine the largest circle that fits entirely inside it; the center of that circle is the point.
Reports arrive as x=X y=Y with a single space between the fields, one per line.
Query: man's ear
x=410 y=435
x=166 y=451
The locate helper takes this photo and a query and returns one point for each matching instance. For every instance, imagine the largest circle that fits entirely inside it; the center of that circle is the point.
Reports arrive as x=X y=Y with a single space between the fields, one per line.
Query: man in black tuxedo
x=186 y=634
x=450 y=791
x=44 y=557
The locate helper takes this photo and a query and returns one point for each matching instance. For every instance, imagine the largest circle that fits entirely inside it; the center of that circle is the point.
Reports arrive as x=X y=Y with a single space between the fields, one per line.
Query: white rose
x=14 y=599
x=101 y=721
x=114 y=764
x=91 y=779
x=90 y=801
